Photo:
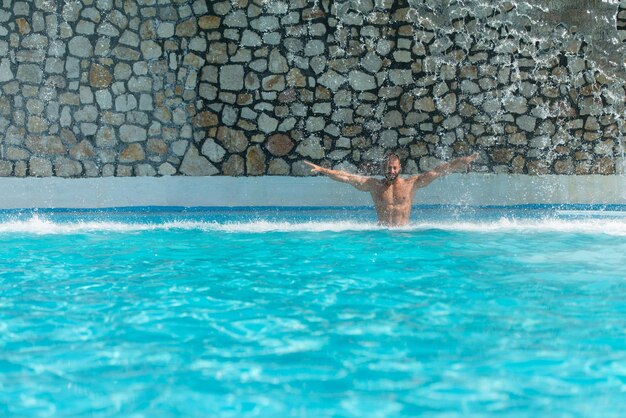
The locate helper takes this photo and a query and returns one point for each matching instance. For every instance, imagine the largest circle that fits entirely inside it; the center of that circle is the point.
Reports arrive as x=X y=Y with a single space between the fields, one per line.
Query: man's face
x=392 y=169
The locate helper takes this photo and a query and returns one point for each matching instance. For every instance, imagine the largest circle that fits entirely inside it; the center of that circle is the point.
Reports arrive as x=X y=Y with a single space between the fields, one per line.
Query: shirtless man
x=393 y=195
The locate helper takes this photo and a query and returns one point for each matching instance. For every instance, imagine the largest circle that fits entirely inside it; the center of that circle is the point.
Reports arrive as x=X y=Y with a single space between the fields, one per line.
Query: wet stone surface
x=251 y=87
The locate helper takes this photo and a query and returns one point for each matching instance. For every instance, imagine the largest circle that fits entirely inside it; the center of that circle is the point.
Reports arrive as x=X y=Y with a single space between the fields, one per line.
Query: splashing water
x=546 y=219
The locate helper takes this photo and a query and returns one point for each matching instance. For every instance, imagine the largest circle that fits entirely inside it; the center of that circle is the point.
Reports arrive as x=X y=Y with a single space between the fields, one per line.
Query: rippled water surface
x=312 y=313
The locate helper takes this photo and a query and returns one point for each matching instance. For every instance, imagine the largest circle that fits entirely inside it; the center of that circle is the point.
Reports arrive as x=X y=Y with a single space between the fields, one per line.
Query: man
x=393 y=195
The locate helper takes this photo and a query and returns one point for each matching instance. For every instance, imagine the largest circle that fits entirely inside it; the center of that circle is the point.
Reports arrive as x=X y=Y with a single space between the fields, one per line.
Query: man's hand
x=314 y=167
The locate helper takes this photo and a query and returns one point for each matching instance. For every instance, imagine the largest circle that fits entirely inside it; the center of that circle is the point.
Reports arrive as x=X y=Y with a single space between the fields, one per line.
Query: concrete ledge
x=458 y=189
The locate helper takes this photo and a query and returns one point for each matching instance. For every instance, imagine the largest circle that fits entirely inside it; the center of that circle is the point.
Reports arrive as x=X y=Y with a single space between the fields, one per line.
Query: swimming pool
x=313 y=312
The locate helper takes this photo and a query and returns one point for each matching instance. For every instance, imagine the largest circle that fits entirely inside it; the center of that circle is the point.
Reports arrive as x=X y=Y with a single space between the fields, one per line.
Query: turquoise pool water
x=313 y=313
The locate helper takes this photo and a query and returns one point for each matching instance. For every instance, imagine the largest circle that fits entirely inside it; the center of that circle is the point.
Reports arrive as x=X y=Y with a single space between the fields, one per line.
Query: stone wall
x=252 y=87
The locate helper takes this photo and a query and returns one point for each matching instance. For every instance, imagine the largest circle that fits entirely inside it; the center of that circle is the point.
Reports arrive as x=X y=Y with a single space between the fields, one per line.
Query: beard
x=390 y=176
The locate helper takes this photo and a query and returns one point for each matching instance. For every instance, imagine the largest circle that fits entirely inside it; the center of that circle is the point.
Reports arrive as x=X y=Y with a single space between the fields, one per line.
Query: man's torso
x=393 y=201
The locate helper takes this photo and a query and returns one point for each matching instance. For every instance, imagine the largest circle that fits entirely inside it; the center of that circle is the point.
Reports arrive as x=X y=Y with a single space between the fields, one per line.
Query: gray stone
x=126 y=54
x=383 y=46
x=604 y=148
x=16 y=153
x=80 y=46
x=124 y=170
x=53 y=66
x=447 y=104
x=85 y=28
x=361 y=81
x=315 y=124
x=179 y=147
x=35 y=41
x=40 y=167
x=34 y=106
x=318 y=64
x=140 y=84
x=250 y=38
x=392 y=119
x=526 y=123
x=166 y=169
x=88 y=129
x=267 y=123
x=132 y=153
x=311 y=148
x=37 y=124
x=470 y=87
x=133 y=133
x=179 y=116
x=29 y=73
x=277 y=7
x=272 y=38
x=402 y=56
x=293 y=45
x=388 y=139
x=64 y=167
x=165 y=29
x=277 y=63
x=105 y=137
x=222 y=7
x=122 y=71
x=322 y=108
x=265 y=24
x=230 y=115
x=104 y=99
x=196 y=165
x=428 y=163
x=528 y=89
x=88 y=113
x=103 y=47
x=372 y=62
x=231 y=77
x=107 y=29
x=6 y=74
x=145 y=102
x=66 y=117
x=314 y=47
x=332 y=80
x=278 y=167
x=237 y=19
x=540 y=142
x=590 y=106
x=108 y=170
x=425 y=104
x=273 y=83
x=6 y=168
x=492 y=106
x=452 y=122
x=516 y=104
x=129 y=38
x=125 y=102
x=145 y=170
x=150 y=50
x=83 y=150
x=213 y=151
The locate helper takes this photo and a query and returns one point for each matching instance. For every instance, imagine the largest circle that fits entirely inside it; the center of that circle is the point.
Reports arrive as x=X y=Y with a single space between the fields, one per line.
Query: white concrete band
x=465 y=189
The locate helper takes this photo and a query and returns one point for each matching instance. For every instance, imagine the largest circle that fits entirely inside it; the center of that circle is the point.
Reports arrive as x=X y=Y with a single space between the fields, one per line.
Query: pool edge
x=471 y=189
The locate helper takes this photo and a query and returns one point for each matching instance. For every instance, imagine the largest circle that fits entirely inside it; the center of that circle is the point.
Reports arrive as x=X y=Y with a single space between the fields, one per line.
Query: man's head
x=391 y=166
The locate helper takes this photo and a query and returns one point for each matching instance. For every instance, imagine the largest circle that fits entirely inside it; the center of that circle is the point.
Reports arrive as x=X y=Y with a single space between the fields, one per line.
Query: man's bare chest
x=395 y=194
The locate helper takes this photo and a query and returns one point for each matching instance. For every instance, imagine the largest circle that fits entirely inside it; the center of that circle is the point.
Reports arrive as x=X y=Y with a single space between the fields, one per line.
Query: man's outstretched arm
x=426 y=178
x=361 y=183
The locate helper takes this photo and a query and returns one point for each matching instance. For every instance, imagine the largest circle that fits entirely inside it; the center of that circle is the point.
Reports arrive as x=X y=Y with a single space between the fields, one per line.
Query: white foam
x=40 y=225
x=506 y=225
